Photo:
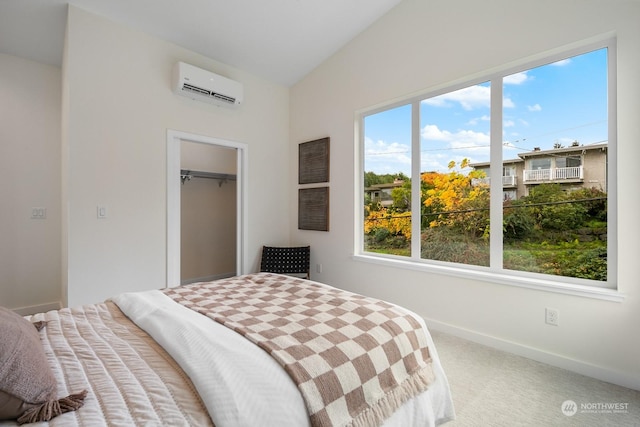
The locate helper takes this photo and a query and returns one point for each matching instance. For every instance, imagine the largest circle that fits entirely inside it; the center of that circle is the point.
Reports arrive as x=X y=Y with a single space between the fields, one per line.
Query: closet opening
x=205 y=208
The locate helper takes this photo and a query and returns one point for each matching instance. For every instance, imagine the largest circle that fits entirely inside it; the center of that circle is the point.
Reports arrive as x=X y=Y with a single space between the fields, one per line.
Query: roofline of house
x=535 y=153
x=538 y=152
x=384 y=185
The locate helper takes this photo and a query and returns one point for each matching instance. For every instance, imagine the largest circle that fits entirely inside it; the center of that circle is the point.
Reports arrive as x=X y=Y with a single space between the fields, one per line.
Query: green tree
x=371 y=178
x=552 y=208
x=518 y=221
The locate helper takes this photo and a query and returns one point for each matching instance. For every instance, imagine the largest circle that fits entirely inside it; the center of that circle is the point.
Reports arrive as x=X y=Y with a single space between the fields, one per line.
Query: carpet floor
x=494 y=388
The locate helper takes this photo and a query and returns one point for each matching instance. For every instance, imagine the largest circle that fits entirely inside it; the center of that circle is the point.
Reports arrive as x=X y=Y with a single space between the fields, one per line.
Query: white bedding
x=130 y=379
x=257 y=391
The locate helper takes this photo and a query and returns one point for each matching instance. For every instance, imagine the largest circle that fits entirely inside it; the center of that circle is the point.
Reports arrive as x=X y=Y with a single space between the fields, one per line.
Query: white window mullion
x=416 y=208
x=612 y=184
x=495 y=205
x=358 y=179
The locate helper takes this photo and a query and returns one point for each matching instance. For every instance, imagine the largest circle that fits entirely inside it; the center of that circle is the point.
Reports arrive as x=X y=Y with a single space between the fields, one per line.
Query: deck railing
x=507 y=181
x=557 y=174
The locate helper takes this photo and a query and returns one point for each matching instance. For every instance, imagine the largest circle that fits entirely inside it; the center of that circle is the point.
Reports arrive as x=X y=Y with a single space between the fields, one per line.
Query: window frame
x=495 y=273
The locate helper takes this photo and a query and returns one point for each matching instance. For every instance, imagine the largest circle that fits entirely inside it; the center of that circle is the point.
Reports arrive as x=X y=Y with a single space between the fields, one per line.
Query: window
x=506 y=176
x=455 y=214
x=388 y=220
x=568 y=162
x=541 y=164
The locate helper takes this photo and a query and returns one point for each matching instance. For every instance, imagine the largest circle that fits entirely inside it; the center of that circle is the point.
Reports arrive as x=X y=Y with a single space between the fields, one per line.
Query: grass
x=585 y=260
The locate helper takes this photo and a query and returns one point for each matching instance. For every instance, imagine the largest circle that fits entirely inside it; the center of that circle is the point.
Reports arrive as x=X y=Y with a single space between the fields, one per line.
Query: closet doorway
x=205 y=208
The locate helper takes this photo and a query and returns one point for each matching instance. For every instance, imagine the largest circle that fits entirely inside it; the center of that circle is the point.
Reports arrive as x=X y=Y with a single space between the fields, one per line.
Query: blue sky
x=562 y=102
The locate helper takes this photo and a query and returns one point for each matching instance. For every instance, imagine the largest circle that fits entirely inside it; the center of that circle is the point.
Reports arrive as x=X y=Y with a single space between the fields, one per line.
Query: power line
x=525 y=205
x=509 y=143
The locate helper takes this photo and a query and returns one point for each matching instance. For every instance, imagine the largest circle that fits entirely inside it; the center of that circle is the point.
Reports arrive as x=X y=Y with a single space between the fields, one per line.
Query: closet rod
x=187 y=175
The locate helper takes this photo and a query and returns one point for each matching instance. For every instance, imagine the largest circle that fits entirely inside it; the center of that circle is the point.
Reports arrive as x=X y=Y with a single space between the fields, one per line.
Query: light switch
x=102 y=212
x=38 y=213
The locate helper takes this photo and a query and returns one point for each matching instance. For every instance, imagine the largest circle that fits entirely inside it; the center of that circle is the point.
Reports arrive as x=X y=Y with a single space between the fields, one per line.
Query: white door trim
x=173 y=200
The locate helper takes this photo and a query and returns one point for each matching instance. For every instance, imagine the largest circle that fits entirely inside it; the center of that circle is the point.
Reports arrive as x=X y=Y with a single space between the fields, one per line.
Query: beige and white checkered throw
x=354 y=359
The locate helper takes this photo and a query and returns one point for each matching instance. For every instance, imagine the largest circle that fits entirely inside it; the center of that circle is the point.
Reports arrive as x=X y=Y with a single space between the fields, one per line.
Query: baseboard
x=207 y=278
x=559 y=361
x=40 y=308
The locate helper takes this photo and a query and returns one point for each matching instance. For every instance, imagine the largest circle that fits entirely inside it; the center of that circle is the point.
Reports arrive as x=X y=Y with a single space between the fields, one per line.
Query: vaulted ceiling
x=280 y=40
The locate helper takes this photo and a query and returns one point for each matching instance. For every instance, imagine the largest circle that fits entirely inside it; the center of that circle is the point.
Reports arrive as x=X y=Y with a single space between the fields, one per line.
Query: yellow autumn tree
x=456 y=202
x=397 y=223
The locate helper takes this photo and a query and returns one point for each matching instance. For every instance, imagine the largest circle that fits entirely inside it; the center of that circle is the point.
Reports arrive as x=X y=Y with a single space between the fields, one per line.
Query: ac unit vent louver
x=195 y=89
x=224 y=98
x=206 y=86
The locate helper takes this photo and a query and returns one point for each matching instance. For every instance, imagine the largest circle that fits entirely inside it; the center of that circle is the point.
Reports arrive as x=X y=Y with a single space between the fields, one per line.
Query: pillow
x=28 y=390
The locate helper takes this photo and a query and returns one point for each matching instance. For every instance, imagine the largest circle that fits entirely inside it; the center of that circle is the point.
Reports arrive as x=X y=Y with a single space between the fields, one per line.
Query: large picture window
x=507 y=176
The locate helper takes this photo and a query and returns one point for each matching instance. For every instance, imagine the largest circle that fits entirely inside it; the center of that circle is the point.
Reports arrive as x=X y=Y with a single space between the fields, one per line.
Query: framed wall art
x=313 y=161
x=313 y=208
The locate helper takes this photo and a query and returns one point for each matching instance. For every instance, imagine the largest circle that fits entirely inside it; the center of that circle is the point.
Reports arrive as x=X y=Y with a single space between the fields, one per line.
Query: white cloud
x=474 y=121
x=376 y=148
x=392 y=157
x=535 y=107
x=508 y=123
x=463 y=139
x=454 y=146
x=438 y=101
x=562 y=62
x=434 y=162
x=387 y=157
x=469 y=98
x=516 y=79
x=433 y=133
x=470 y=140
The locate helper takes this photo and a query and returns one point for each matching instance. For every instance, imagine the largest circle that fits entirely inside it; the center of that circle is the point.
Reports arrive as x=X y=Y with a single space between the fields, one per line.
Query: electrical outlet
x=552 y=316
x=319 y=268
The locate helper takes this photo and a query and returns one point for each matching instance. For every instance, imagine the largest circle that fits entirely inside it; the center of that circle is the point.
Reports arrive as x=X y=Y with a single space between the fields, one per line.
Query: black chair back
x=286 y=260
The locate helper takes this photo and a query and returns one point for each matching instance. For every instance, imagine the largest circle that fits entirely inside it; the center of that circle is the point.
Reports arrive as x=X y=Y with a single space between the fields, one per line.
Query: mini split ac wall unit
x=203 y=85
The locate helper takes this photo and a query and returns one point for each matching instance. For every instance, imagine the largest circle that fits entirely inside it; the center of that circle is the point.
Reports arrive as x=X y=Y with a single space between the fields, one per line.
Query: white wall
x=118 y=105
x=30 y=97
x=422 y=44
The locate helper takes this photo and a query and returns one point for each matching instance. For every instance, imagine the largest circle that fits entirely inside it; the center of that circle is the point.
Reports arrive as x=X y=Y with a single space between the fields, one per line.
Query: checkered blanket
x=354 y=359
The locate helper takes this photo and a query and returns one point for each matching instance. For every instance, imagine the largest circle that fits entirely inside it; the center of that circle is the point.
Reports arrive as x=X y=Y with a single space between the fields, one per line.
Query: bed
x=254 y=350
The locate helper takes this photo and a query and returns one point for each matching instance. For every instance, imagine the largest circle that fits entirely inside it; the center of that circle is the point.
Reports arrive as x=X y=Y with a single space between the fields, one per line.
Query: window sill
x=493 y=277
